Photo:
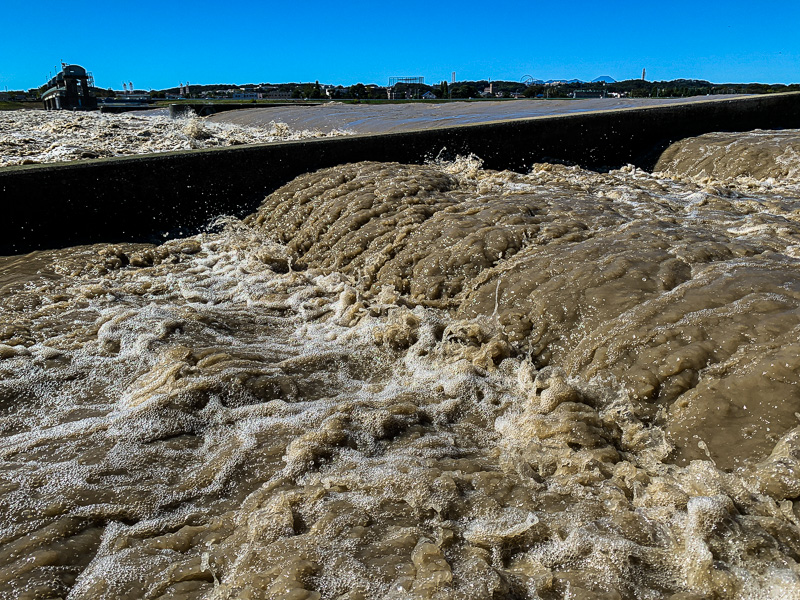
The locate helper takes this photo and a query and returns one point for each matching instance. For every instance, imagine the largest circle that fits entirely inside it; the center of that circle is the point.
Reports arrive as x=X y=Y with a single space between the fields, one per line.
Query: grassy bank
x=5 y=105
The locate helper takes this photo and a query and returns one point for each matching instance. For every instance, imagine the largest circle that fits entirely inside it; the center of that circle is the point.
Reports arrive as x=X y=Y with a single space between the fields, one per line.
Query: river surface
x=38 y=136
x=382 y=117
x=434 y=381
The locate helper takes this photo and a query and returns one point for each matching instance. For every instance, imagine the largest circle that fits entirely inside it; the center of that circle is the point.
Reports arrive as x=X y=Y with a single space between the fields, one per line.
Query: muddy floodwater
x=37 y=136
x=436 y=381
x=390 y=117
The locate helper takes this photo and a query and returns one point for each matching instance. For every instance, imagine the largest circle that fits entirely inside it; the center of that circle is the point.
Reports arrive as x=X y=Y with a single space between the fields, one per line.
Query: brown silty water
x=434 y=381
x=37 y=136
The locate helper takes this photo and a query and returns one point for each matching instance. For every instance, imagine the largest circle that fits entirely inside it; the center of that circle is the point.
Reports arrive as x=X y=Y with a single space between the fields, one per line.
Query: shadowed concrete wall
x=210 y=108
x=150 y=197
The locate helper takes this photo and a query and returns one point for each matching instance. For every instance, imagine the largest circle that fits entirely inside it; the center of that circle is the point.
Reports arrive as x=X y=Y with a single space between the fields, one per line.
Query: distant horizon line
x=536 y=81
x=449 y=83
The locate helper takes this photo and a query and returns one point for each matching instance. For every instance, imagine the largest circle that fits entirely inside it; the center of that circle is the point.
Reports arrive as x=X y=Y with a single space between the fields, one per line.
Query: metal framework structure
x=393 y=81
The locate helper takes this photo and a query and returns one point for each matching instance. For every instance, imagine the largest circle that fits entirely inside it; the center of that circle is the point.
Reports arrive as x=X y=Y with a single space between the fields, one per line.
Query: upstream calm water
x=435 y=381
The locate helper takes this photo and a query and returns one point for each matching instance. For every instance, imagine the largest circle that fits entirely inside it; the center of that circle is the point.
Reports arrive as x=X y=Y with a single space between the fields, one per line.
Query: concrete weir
x=204 y=109
x=150 y=197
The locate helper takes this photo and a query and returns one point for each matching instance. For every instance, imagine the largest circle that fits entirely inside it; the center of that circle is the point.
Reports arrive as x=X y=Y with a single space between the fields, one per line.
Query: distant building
x=589 y=94
x=393 y=94
x=131 y=97
x=70 y=89
x=278 y=94
x=429 y=96
x=412 y=87
x=130 y=100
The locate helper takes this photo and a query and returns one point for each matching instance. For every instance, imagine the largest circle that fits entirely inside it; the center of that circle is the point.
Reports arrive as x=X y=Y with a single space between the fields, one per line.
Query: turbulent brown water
x=38 y=136
x=742 y=159
x=434 y=381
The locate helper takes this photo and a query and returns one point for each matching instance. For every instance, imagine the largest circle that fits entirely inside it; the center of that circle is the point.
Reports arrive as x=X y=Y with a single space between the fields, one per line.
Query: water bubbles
x=416 y=380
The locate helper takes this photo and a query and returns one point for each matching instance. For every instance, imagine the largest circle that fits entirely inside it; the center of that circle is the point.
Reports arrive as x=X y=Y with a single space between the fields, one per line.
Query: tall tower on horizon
x=643 y=73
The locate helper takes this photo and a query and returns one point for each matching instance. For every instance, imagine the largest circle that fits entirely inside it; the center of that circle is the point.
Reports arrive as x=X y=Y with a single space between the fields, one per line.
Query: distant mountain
x=564 y=81
x=604 y=79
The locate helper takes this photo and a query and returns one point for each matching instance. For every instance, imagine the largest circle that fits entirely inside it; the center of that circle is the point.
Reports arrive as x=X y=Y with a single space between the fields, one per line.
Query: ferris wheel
x=527 y=80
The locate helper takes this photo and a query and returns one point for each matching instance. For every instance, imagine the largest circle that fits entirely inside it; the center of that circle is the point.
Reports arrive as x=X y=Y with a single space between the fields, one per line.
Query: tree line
x=632 y=88
x=677 y=88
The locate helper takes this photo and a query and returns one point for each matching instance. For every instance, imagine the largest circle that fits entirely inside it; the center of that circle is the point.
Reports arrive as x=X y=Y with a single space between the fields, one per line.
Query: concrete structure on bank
x=589 y=94
x=69 y=90
x=151 y=197
x=204 y=109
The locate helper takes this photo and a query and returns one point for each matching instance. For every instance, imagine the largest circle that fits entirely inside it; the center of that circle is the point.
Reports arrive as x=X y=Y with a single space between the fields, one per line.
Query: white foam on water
x=28 y=137
x=322 y=402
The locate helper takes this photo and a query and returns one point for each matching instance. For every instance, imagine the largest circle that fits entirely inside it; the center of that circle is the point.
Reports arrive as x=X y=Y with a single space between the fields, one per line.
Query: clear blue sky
x=159 y=44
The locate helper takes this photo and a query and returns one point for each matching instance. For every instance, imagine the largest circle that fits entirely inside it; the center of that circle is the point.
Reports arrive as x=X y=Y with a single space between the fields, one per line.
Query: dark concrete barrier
x=149 y=197
x=204 y=109
x=116 y=109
